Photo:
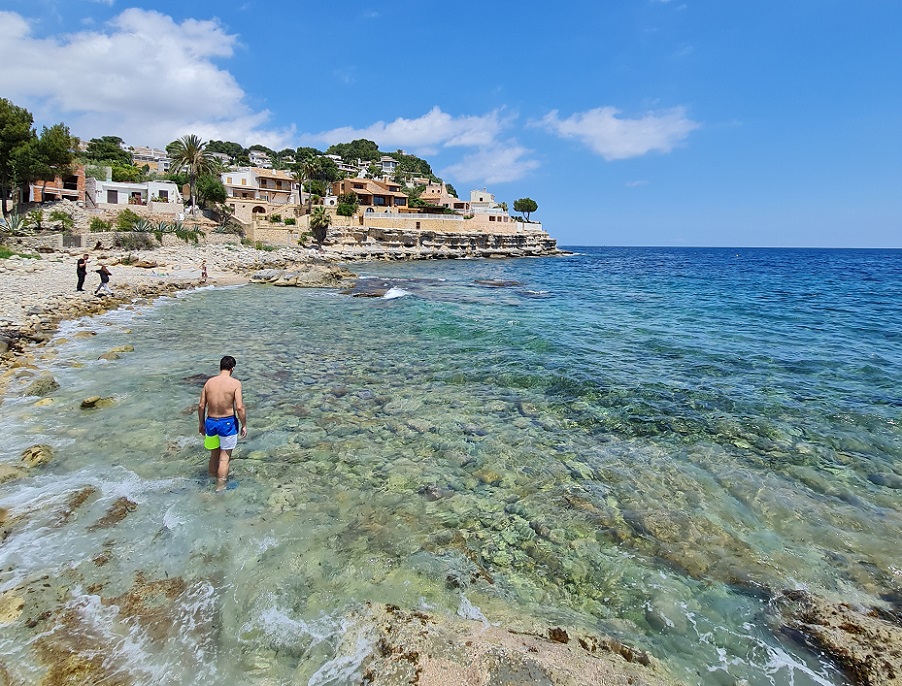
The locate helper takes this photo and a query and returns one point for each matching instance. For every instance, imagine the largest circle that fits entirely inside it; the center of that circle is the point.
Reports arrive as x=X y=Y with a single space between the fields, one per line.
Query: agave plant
x=176 y=227
x=163 y=227
x=143 y=226
x=15 y=225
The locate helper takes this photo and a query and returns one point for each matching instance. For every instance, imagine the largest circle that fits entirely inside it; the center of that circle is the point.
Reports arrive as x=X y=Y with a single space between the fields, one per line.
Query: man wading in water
x=220 y=402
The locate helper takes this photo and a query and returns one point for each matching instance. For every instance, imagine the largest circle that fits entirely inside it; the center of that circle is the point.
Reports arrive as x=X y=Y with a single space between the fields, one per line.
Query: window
x=243 y=182
x=229 y=180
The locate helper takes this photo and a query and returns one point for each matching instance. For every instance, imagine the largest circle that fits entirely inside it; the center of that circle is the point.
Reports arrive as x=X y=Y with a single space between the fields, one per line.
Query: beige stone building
x=257 y=193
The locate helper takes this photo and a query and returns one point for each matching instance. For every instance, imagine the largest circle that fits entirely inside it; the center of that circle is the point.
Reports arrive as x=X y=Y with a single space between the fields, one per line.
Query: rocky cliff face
x=376 y=243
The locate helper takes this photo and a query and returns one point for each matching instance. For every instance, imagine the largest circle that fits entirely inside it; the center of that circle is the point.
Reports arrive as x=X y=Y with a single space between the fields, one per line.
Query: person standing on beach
x=203 y=271
x=220 y=402
x=105 y=274
x=81 y=269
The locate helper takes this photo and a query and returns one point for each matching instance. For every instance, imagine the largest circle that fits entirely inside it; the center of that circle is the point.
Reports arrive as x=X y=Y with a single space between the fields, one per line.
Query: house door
x=112 y=197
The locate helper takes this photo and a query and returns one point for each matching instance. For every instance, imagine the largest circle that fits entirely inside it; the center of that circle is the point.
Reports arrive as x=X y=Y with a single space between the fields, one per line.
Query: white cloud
x=143 y=77
x=425 y=135
x=617 y=138
x=498 y=163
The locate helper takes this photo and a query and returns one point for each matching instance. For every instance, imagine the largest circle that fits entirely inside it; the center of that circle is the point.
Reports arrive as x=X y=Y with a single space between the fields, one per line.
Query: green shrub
x=134 y=241
x=126 y=220
x=345 y=210
x=275 y=218
x=99 y=225
x=62 y=219
x=304 y=237
x=260 y=245
x=6 y=253
x=33 y=220
x=290 y=221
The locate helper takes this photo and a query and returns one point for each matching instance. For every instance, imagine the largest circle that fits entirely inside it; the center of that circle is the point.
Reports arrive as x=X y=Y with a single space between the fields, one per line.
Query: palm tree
x=188 y=154
x=319 y=224
x=302 y=172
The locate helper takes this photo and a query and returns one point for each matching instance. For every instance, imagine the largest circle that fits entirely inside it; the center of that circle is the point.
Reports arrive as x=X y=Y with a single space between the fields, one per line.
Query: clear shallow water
x=642 y=442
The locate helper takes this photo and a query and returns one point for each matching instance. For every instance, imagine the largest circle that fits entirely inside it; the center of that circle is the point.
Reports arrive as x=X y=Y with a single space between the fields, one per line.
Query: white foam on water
x=468 y=610
x=395 y=292
x=171 y=520
x=128 y=650
x=41 y=542
x=346 y=667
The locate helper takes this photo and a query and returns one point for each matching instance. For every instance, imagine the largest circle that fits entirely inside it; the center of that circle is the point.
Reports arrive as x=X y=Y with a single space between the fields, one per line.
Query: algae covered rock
x=43 y=385
x=37 y=455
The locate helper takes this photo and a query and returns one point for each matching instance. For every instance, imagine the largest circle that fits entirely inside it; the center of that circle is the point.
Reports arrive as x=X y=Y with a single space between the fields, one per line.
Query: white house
x=483 y=202
x=259 y=158
x=123 y=193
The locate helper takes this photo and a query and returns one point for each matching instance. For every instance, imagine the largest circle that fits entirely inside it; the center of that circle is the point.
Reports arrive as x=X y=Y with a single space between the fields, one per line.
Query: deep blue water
x=645 y=442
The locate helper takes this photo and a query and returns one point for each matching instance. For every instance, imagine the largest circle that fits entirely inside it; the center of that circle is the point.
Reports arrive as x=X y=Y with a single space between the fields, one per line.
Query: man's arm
x=240 y=411
x=202 y=411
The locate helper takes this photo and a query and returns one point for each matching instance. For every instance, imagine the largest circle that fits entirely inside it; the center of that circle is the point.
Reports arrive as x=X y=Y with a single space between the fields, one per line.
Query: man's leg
x=213 y=466
x=222 y=475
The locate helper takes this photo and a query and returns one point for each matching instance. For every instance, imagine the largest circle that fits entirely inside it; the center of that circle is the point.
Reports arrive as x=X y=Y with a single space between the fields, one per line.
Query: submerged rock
x=37 y=455
x=10 y=473
x=117 y=512
x=43 y=385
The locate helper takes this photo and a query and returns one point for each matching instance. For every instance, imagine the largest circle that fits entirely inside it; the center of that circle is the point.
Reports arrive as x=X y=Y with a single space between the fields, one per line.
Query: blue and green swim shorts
x=222 y=432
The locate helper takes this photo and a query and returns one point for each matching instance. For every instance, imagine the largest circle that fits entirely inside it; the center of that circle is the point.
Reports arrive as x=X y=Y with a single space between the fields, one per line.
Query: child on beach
x=104 y=286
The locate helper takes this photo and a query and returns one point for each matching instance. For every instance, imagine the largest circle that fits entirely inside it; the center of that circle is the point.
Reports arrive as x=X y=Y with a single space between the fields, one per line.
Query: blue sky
x=629 y=122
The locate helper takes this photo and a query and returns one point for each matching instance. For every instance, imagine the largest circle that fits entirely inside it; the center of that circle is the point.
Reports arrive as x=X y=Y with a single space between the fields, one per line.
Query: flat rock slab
x=866 y=643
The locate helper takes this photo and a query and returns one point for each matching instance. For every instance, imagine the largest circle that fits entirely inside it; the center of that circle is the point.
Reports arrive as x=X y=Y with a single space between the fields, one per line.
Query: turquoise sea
x=646 y=443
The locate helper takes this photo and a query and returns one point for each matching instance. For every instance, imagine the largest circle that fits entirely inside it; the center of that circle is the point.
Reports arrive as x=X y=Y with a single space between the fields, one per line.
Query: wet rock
x=10 y=473
x=43 y=385
x=416 y=647
x=37 y=455
x=11 y=605
x=108 y=356
x=117 y=512
x=861 y=640
x=886 y=479
x=96 y=402
x=497 y=283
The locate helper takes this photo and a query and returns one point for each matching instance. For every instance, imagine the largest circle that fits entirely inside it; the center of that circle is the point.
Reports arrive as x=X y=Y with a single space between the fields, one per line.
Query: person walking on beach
x=81 y=269
x=220 y=402
x=203 y=271
x=105 y=274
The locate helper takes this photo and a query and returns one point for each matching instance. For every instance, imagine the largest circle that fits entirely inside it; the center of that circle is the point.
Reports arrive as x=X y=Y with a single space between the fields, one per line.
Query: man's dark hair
x=227 y=362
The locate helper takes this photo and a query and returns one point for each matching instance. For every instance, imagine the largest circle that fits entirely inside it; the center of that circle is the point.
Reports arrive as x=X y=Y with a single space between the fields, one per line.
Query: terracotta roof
x=272 y=174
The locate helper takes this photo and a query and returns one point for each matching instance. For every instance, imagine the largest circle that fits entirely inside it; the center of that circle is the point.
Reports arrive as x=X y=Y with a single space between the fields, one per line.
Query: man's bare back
x=222 y=396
